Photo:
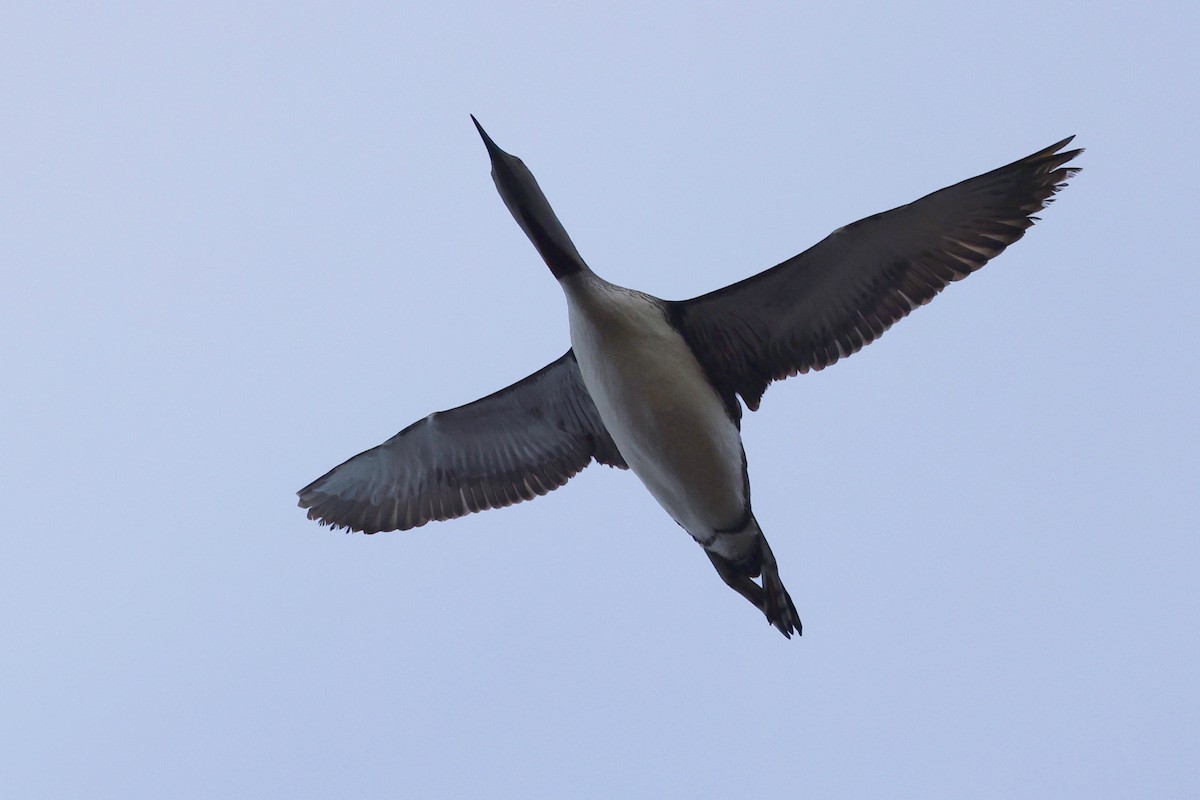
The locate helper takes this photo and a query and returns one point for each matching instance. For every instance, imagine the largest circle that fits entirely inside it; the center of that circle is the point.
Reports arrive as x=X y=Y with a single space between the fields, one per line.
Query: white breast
x=665 y=417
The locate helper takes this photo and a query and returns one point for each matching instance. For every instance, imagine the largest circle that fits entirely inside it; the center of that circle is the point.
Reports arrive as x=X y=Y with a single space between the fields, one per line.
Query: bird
x=658 y=386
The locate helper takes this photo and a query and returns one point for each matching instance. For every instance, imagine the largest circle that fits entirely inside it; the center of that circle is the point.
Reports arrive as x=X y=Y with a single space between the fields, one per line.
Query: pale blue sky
x=242 y=242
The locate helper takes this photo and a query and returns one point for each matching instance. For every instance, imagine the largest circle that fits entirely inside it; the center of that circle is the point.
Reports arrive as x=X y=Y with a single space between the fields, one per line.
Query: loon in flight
x=654 y=385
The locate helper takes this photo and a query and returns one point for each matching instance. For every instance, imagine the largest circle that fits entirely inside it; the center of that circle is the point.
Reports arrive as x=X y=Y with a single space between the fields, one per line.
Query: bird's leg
x=771 y=598
x=780 y=609
x=738 y=581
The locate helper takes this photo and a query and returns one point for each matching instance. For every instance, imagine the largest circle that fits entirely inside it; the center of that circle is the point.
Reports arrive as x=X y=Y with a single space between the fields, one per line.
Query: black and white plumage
x=653 y=385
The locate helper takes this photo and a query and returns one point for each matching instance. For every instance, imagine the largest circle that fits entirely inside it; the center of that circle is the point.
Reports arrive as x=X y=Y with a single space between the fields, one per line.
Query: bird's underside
x=803 y=314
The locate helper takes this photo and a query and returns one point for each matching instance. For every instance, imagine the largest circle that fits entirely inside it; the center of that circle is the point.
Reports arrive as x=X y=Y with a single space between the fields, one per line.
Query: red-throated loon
x=652 y=385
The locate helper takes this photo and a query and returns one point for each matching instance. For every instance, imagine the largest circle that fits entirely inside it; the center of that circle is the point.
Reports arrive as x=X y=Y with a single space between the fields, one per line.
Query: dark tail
x=771 y=597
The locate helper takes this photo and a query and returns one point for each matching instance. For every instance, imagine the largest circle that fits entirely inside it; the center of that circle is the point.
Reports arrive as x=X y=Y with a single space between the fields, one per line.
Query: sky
x=242 y=242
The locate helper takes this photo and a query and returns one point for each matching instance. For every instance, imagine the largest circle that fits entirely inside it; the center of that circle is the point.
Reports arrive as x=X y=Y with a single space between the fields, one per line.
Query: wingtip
x=1053 y=150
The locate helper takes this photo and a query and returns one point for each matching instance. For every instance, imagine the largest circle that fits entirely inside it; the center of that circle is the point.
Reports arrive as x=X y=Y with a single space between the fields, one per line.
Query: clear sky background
x=242 y=242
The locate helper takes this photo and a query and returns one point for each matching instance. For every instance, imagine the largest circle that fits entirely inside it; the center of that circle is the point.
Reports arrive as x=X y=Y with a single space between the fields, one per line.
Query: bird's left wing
x=844 y=292
x=516 y=444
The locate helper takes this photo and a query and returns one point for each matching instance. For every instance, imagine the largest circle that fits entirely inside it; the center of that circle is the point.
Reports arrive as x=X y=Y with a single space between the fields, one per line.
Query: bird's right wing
x=844 y=292
x=516 y=444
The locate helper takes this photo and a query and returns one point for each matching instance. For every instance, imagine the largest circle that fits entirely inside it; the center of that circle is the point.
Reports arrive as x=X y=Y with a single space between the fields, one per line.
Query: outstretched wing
x=514 y=445
x=843 y=293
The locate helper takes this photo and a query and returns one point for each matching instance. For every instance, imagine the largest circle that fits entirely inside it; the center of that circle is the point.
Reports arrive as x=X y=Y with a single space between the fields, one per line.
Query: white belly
x=660 y=409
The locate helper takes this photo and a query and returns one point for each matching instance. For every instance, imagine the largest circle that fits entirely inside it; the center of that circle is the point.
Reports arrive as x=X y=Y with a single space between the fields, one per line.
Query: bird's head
x=529 y=207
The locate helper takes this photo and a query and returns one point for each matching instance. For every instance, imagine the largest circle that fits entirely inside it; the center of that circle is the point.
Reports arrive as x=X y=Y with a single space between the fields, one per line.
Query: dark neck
x=561 y=257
